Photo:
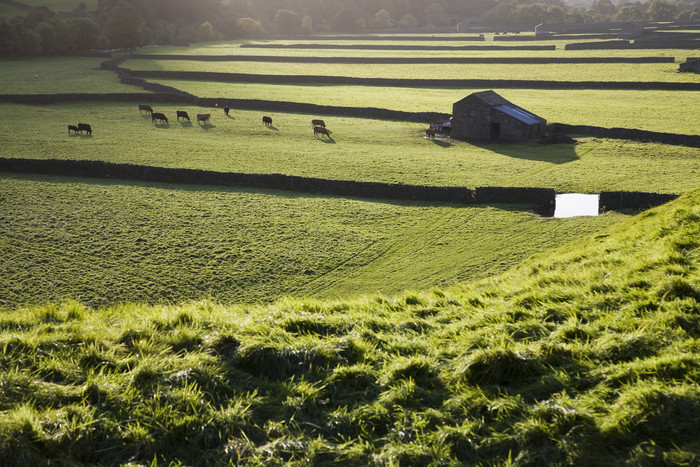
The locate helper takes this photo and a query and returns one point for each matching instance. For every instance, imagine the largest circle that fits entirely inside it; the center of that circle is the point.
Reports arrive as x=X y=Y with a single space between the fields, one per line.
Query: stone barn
x=488 y=116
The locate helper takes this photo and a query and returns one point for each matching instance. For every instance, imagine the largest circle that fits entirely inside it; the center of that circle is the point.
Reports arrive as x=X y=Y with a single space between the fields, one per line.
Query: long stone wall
x=402 y=60
x=543 y=199
x=614 y=200
x=397 y=82
x=626 y=133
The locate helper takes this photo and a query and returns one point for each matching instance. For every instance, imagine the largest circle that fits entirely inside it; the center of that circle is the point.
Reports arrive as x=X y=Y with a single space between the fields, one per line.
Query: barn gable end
x=486 y=115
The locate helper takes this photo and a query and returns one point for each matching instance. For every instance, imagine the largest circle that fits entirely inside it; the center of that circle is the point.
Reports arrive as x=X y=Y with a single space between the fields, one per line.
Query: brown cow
x=430 y=133
x=318 y=123
x=146 y=108
x=322 y=131
x=203 y=117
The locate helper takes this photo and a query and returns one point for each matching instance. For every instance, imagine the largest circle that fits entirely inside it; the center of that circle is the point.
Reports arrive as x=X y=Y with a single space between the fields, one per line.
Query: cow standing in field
x=204 y=118
x=145 y=108
x=183 y=114
x=267 y=121
x=85 y=127
x=319 y=130
x=159 y=116
x=430 y=133
x=226 y=109
x=318 y=123
x=74 y=128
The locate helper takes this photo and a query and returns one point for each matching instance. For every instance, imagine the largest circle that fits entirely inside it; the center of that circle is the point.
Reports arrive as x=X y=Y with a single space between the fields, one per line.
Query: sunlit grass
x=584 y=355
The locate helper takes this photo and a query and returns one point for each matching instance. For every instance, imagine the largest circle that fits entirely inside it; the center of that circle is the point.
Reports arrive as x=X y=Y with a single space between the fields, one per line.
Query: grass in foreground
x=588 y=355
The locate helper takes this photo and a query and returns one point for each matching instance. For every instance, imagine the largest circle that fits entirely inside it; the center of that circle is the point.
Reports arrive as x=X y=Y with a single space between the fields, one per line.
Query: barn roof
x=520 y=114
x=488 y=97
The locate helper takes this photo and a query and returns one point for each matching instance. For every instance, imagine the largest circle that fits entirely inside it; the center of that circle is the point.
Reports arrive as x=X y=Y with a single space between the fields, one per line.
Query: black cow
x=159 y=116
x=74 y=128
x=85 y=127
x=267 y=120
x=226 y=109
x=183 y=114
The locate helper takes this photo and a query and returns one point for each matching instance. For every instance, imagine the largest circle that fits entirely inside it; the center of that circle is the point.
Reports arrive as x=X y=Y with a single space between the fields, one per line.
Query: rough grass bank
x=588 y=355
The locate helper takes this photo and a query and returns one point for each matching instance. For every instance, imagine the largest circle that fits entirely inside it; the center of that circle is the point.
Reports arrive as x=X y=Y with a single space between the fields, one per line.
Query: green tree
x=125 y=27
x=248 y=27
x=629 y=13
x=287 y=22
x=205 y=32
x=435 y=14
x=345 y=20
x=47 y=35
x=307 y=25
x=381 y=20
x=88 y=33
x=661 y=10
x=407 y=21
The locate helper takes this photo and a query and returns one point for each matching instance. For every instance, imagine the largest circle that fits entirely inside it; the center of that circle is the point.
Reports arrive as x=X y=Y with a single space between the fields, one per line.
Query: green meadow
x=56 y=75
x=161 y=324
x=586 y=355
x=662 y=72
x=644 y=110
x=104 y=242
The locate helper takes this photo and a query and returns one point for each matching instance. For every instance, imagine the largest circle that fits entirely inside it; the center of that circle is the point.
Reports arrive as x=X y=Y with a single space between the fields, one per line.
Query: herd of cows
x=319 y=126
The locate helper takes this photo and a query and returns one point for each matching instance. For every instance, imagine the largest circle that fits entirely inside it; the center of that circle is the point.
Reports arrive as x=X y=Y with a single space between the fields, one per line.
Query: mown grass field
x=587 y=355
x=644 y=72
x=104 y=242
x=644 y=110
x=57 y=75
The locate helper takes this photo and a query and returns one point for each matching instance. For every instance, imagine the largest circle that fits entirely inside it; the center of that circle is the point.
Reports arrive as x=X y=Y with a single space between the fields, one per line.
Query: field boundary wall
x=542 y=198
x=404 y=60
x=397 y=82
x=614 y=200
x=626 y=133
x=397 y=47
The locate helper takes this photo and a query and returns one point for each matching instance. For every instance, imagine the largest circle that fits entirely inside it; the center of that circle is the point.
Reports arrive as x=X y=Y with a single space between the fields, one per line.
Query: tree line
x=127 y=24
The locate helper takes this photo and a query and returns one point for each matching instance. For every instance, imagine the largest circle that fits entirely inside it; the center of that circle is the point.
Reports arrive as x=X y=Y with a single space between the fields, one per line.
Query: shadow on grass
x=443 y=143
x=206 y=126
x=554 y=153
x=186 y=124
x=162 y=125
x=326 y=140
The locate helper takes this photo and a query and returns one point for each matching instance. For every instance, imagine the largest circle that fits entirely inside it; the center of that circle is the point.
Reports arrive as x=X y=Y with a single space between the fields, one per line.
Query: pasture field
x=59 y=75
x=643 y=110
x=651 y=72
x=103 y=242
x=359 y=149
x=587 y=355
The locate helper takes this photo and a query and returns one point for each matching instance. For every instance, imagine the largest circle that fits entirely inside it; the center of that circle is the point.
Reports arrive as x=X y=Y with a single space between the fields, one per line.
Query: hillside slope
x=589 y=355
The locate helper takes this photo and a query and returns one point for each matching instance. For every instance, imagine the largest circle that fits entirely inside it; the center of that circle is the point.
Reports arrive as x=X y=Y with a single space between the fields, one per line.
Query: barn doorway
x=495 y=130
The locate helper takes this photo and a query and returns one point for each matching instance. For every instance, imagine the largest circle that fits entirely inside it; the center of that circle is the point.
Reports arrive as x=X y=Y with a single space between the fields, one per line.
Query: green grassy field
x=587 y=355
x=104 y=242
x=360 y=149
x=662 y=72
x=8 y=11
x=644 y=110
x=59 y=75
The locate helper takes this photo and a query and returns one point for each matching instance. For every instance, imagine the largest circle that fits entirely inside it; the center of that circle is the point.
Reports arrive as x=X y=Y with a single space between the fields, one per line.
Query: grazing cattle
x=267 y=120
x=159 y=116
x=203 y=117
x=430 y=133
x=145 y=108
x=183 y=114
x=321 y=130
x=226 y=109
x=318 y=123
x=85 y=127
x=74 y=128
